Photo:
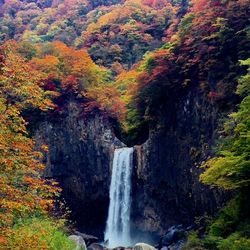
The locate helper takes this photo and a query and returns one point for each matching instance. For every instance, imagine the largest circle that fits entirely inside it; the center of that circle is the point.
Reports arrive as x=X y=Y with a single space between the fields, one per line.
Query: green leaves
x=231 y=168
x=39 y=232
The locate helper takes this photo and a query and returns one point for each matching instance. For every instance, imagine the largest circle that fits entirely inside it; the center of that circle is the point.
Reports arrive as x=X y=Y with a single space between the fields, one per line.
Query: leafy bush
x=227 y=220
x=193 y=242
x=39 y=233
x=235 y=242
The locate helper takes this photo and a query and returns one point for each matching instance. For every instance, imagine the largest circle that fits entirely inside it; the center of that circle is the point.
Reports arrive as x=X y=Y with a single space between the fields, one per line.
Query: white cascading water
x=118 y=223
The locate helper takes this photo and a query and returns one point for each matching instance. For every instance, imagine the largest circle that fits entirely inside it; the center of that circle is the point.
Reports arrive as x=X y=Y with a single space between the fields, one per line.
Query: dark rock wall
x=79 y=157
x=166 y=188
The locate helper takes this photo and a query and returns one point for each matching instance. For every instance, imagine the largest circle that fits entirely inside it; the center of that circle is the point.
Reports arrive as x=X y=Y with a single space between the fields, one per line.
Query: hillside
x=81 y=79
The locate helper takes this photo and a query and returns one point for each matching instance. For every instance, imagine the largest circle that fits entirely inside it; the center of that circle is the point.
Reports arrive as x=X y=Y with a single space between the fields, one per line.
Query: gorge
x=165 y=184
x=124 y=122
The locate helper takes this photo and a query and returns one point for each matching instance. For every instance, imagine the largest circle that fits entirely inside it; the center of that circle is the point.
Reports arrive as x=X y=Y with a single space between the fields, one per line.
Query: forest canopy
x=130 y=60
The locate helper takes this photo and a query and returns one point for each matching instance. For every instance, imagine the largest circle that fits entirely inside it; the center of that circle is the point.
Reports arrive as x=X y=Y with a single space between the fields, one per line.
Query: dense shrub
x=39 y=233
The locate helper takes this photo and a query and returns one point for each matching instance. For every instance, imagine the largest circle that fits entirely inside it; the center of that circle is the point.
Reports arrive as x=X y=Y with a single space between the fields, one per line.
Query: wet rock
x=119 y=248
x=164 y=248
x=95 y=246
x=143 y=246
x=89 y=239
x=177 y=246
x=173 y=235
x=122 y=248
x=80 y=243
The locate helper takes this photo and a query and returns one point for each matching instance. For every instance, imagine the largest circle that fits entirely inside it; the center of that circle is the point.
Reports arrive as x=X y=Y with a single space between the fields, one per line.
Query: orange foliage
x=158 y=4
x=109 y=99
x=48 y=64
x=22 y=188
x=74 y=68
x=126 y=83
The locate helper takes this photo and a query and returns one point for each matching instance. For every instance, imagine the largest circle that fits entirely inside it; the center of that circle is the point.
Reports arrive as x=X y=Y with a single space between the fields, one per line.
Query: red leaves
x=69 y=84
x=49 y=84
x=89 y=107
x=158 y=4
x=109 y=100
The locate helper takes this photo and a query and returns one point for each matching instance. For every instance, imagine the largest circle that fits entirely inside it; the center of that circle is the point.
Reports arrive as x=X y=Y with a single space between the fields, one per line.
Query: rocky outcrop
x=95 y=246
x=143 y=246
x=166 y=188
x=173 y=235
x=166 y=177
x=89 y=239
x=79 y=241
x=79 y=157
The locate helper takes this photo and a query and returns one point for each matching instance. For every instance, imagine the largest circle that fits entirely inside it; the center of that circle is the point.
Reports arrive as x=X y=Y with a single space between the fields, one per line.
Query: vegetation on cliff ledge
x=229 y=169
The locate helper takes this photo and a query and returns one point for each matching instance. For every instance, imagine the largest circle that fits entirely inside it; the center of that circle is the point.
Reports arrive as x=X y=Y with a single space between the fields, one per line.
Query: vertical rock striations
x=165 y=180
x=166 y=177
x=80 y=151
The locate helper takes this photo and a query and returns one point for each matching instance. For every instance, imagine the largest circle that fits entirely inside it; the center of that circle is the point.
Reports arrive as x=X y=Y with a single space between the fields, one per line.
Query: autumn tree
x=23 y=190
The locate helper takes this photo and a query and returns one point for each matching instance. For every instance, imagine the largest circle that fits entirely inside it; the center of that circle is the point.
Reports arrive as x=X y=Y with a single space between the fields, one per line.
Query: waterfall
x=117 y=231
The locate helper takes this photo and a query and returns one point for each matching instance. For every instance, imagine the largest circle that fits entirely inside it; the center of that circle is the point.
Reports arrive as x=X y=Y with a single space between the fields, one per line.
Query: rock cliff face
x=80 y=151
x=166 y=179
x=166 y=188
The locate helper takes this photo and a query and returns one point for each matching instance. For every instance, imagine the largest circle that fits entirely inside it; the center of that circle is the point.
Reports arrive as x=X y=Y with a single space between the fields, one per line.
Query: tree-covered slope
x=116 y=33
x=135 y=61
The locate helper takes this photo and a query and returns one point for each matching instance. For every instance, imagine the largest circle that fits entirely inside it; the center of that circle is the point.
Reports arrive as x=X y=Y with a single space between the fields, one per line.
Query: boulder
x=95 y=246
x=80 y=243
x=177 y=246
x=143 y=246
x=122 y=248
x=173 y=235
x=165 y=248
x=89 y=239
